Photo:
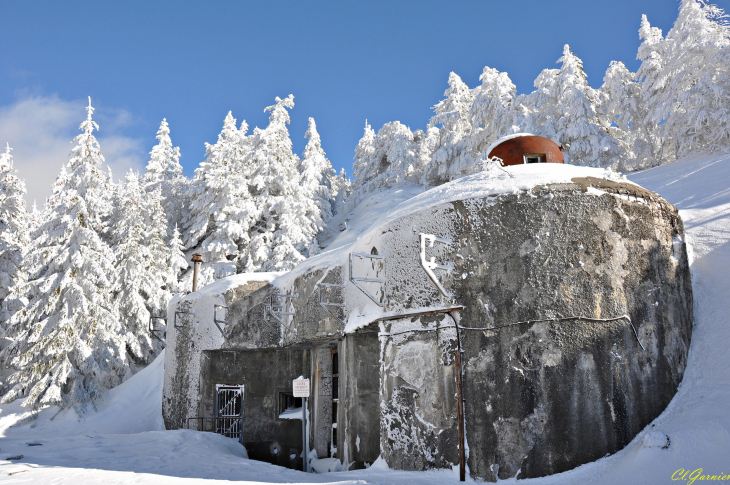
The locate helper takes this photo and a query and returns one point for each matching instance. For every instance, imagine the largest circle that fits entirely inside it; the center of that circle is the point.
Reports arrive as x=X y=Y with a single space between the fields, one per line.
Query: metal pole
x=305 y=441
x=197 y=259
x=460 y=417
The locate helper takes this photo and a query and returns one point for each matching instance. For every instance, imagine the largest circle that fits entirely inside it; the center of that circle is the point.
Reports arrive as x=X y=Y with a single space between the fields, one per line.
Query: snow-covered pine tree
x=385 y=160
x=693 y=88
x=176 y=262
x=341 y=189
x=452 y=156
x=165 y=172
x=316 y=178
x=14 y=237
x=139 y=232
x=653 y=84
x=566 y=111
x=221 y=210
x=623 y=107
x=69 y=343
x=491 y=112
x=281 y=236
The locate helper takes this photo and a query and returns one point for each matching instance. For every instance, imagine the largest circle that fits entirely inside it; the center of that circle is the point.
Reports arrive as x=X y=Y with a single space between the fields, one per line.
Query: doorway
x=229 y=411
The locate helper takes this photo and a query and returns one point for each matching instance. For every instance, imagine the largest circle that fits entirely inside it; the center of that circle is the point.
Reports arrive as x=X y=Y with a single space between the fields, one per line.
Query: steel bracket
x=357 y=280
x=432 y=265
x=184 y=329
x=223 y=329
x=276 y=310
x=326 y=304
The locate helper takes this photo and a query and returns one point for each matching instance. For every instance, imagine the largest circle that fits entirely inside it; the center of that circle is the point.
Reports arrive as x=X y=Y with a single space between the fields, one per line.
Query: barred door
x=229 y=411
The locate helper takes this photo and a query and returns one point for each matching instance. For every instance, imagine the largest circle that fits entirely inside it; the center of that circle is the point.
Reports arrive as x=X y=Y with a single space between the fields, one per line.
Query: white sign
x=301 y=387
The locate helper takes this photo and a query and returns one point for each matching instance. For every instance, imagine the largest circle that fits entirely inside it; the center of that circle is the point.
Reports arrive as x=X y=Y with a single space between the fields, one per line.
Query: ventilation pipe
x=197 y=259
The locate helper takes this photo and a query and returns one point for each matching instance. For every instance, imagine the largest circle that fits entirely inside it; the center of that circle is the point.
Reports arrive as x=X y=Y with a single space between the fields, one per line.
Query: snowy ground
x=123 y=441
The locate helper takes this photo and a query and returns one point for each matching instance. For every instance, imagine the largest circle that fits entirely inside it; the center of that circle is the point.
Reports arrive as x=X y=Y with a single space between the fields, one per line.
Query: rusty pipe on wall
x=197 y=259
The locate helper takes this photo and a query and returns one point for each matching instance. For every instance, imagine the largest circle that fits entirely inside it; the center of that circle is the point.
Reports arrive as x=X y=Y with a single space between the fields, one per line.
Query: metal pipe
x=197 y=259
x=460 y=414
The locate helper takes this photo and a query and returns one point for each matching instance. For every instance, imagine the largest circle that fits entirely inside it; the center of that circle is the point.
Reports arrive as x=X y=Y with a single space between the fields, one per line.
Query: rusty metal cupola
x=528 y=149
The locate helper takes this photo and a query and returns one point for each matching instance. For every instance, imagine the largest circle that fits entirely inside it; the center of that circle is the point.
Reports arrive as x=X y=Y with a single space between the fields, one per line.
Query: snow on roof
x=384 y=207
x=225 y=284
x=504 y=139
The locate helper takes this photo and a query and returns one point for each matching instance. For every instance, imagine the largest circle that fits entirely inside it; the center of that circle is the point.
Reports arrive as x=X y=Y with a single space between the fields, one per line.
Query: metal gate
x=229 y=411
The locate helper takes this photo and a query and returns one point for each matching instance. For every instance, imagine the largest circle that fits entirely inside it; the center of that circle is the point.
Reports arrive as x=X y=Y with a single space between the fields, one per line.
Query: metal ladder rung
x=369 y=280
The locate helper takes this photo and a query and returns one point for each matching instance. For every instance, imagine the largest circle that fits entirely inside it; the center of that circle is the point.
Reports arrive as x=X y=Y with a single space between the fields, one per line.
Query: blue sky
x=345 y=62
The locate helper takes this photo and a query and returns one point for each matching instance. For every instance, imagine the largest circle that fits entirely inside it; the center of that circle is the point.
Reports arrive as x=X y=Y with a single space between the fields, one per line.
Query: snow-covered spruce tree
x=14 y=237
x=490 y=115
x=566 y=111
x=281 y=236
x=176 y=262
x=221 y=209
x=139 y=232
x=623 y=107
x=69 y=344
x=491 y=112
x=317 y=176
x=385 y=160
x=341 y=189
x=653 y=84
x=165 y=172
x=452 y=156
x=693 y=87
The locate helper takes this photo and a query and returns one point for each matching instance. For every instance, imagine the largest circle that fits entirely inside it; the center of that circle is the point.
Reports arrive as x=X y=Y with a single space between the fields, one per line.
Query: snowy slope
x=122 y=442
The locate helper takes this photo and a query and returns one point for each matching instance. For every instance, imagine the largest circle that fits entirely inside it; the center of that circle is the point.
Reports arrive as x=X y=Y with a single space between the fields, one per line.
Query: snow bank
x=134 y=406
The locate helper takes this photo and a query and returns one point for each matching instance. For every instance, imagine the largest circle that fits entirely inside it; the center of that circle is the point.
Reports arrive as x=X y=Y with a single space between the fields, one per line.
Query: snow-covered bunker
x=566 y=289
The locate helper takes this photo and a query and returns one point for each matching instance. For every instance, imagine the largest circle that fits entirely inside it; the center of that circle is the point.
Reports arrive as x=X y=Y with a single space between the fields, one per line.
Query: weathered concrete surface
x=554 y=375
x=548 y=396
x=265 y=375
x=180 y=395
x=419 y=429
x=359 y=412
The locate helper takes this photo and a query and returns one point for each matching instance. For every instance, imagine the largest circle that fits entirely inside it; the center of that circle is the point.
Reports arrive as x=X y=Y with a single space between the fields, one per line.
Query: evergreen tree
x=623 y=107
x=491 y=112
x=316 y=178
x=653 y=84
x=14 y=236
x=176 y=262
x=451 y=155
x=165 y=172
x=385 y=160
x=221 y=209
x=566 y=110
x=693 y=88
x=141 y=254
x=69 y=344
x=281 y=236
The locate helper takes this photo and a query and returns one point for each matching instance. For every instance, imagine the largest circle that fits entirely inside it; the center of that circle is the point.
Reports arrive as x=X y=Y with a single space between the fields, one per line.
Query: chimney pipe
x=197 y=259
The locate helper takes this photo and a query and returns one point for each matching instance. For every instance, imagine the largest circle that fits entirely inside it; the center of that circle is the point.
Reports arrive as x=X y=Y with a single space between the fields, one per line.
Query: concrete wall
x=359 y=414
x=264 y=374
x=418 y=422
x=554 y=376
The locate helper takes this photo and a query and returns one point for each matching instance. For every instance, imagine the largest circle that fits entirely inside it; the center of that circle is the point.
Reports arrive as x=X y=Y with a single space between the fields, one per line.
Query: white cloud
x=40 y=129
